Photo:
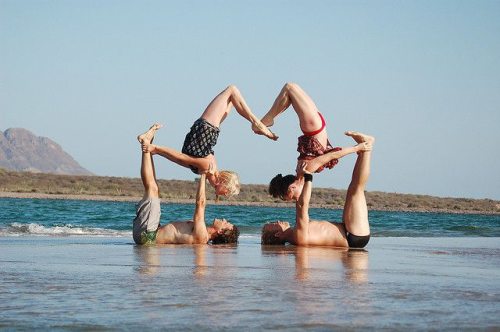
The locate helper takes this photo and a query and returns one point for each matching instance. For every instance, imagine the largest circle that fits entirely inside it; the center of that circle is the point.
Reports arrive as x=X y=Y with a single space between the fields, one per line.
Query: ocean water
x=96 y=218
x=72 y=265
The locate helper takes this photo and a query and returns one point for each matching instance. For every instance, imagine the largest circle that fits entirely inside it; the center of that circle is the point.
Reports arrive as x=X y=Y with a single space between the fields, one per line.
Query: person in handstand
x=146 y=225
x=352 y=232
x=197 y=151
x=314 y=141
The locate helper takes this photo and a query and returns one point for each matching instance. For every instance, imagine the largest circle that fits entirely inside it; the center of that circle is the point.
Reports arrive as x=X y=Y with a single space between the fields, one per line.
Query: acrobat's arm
x=314 y=164
x=200 y=234
x=302 y=211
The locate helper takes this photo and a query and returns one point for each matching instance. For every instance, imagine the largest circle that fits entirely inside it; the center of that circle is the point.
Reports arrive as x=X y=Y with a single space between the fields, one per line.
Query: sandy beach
x=110 y=283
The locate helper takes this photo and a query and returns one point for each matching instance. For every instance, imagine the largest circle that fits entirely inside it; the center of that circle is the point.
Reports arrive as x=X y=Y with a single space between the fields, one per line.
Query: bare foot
x=149 y=135
x=268 y=122
x=260 y=129
x=360 y=137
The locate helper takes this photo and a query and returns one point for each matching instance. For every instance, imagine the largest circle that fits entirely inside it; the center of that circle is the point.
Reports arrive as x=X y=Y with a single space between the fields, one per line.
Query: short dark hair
x=227 y=236
x=269 y=238
x=278 y=186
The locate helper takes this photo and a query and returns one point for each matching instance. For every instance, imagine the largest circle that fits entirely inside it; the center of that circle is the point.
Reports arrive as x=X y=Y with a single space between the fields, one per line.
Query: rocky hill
x=21 y=150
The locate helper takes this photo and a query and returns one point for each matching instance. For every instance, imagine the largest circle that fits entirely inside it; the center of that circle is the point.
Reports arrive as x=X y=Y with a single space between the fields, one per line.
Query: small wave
x=18 y=229
x=249 y=236
x=471 y=230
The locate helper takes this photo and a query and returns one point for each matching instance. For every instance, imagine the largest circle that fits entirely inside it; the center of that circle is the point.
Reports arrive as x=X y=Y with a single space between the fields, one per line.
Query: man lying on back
x=352 y=232
x=146 y=225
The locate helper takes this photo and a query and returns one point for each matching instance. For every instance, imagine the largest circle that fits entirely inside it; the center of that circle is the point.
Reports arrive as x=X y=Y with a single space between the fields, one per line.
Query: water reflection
x=200 y=266
x=356 y=266
x=148 y=259
x=311 y=259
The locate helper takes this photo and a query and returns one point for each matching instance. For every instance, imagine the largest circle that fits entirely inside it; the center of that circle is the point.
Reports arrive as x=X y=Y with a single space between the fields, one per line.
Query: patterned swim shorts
x=200 y=140
x=309 y=148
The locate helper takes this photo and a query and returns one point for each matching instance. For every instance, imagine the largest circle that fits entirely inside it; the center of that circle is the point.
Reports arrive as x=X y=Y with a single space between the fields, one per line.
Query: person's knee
x=291 y=86
x=153 y=190
x=232 y=89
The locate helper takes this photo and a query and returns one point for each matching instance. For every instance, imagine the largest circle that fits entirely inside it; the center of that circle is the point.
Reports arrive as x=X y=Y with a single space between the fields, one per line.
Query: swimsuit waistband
x=208 y=124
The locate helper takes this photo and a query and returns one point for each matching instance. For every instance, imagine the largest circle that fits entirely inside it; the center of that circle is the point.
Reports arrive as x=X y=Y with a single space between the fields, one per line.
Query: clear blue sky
x=422 y=76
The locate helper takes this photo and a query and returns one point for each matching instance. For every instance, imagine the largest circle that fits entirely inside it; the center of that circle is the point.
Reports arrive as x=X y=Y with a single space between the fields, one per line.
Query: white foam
x=18 y=229
x=249 y=236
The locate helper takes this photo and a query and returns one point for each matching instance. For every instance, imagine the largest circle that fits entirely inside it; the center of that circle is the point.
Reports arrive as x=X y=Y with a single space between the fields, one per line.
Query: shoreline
x=108 y=198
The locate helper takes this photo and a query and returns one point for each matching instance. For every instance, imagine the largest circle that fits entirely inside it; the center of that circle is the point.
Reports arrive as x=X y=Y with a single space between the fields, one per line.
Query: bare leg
x=304 y=106
x=148 y=174
x=219 y=108
x=355 y=216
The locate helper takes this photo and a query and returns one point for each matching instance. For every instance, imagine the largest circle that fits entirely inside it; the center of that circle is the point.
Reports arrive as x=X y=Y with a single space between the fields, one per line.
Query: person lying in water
x=352 y=232
x=197 y=151
x=314 y=141
x=146 y=225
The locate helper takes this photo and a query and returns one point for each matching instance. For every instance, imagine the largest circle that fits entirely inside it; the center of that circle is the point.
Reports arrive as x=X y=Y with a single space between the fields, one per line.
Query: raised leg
x=292 y=94
x=148 y=174
x=355 y=216
x=221 y=105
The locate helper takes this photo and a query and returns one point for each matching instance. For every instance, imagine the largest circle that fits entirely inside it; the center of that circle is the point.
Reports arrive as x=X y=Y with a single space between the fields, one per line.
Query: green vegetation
x=38 y=185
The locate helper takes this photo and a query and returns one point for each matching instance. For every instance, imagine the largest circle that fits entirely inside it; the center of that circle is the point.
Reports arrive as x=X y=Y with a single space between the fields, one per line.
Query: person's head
x=225 y=232
x=272 y=233
x=228 y=184
x=286 y=187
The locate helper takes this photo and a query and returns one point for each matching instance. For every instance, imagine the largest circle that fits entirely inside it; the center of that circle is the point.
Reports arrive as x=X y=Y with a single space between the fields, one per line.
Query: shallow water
x=73 y=217
x=104 y=283
x=73 y=265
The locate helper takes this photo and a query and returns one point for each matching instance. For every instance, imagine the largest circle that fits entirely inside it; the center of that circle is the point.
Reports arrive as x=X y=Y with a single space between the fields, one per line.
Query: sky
x=423 y=77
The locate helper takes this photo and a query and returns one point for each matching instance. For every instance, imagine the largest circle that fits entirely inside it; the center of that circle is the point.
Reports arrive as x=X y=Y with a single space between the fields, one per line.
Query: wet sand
x=104 y=283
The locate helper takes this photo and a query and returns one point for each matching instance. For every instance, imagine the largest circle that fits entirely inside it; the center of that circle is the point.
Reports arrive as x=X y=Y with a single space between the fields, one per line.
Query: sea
x=69 y=265
x=47 y=217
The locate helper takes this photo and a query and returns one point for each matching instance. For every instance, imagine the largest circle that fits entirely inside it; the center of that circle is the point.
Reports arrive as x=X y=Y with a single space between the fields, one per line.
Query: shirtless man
x=353 y=232
x=146 y=225
x=197 y=151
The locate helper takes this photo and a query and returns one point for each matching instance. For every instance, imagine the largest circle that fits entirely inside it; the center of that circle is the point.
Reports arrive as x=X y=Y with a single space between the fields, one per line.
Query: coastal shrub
x=40 y=183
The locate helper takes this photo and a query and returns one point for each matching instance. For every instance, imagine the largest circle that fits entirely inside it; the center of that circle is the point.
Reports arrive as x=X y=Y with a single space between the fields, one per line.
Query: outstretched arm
x=302 y=212
x=314 y=164
x=177 y=157
x=200 y=234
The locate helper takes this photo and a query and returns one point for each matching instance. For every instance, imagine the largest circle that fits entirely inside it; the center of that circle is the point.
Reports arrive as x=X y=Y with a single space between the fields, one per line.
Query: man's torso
x=178 y=232
x=325 y=233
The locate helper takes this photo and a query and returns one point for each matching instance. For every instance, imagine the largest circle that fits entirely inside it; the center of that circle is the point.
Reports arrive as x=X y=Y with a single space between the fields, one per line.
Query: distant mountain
x=21 y=150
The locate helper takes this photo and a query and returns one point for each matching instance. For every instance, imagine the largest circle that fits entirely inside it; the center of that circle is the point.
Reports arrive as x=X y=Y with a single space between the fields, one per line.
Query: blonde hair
x=230 y=181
